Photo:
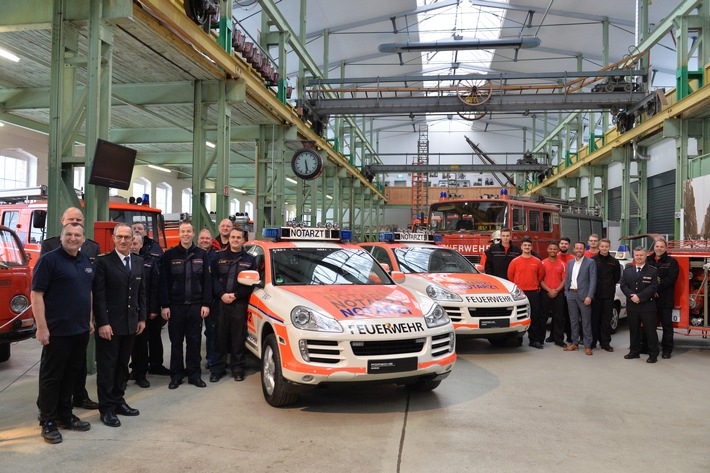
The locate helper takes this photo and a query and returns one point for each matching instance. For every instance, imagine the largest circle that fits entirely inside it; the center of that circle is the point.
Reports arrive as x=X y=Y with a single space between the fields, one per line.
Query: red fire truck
x=25 y=212
x=467 y=225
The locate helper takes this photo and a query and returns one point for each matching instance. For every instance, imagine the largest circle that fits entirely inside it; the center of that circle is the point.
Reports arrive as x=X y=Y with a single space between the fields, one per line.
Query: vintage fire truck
x=467 y=225
x=25 y=212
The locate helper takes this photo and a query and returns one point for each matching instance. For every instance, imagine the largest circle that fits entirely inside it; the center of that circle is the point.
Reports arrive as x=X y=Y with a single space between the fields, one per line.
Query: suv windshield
x=325 y=266
x=432 y=260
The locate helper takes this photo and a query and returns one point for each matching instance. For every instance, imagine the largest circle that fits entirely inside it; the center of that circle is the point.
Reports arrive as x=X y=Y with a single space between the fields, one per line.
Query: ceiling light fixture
x=159 y=168
x=292 y=181
x=468 y=44
x=9 y=55
x=210 y=144
x=241 y=191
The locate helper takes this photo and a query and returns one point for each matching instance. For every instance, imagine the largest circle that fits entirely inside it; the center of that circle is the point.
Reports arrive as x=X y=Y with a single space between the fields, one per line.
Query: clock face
x=307 y=164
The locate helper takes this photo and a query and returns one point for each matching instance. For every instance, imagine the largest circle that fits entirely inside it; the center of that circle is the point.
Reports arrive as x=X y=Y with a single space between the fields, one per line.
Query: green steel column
x=225 y=26
x=222 y=152
x=263 y=176
x=679 y=127
x=64 y=46
x=605 y=62
x=200 y=214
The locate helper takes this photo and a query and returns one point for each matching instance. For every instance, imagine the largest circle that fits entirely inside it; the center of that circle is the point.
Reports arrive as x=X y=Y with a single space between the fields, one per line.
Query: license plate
x=392 y=366
x=494 y=323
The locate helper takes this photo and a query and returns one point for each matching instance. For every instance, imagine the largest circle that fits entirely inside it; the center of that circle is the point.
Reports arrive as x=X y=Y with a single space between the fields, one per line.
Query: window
x=11 y=219
x=141 y=186
x=164 y=197
x=208 y=202
x=18 y=169
x=186 y=203
x=37 y=226
x=546 y=222
x=249 y=210
x=534 y=220
x=79 y=173
x=519 y=219
x=233 y=206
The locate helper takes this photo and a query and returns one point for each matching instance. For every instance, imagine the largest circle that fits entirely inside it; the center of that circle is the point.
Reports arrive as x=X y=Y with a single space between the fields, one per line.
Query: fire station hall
x=327 y=236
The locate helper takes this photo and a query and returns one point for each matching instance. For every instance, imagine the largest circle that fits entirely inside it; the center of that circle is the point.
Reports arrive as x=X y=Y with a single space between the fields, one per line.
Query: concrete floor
x=502 y=410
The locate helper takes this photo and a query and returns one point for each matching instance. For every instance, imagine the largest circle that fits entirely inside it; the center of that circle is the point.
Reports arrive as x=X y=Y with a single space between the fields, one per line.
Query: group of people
x=577 y=291
x=126 y=296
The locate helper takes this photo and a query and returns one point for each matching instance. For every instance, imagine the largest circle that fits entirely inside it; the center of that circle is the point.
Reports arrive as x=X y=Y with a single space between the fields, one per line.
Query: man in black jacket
x=147 y=353
x=639 y=283
x=120 y=312
x=668 y=270
x=234 y=301
x=608 y=274
x=149 y=248
x=185 y=298
x=499 y=255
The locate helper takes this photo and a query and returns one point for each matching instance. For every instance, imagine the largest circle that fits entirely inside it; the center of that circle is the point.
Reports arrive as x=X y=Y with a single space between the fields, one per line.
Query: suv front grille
x=388 y=347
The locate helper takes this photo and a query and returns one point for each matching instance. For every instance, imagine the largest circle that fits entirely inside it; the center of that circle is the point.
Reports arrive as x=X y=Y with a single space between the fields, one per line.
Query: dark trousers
x=112 y=369
x=148 y=348
x=554 y=307
x=666 y=316
x=648 y=319
x=211 y=333
x=231 y=338
x=185 y=325
x=602 y=311
x=62 y=361
x=80 y=392
x=536 y=332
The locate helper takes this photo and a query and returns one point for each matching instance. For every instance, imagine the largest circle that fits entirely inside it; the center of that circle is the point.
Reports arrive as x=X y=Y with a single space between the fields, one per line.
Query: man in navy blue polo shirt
x=61 y=300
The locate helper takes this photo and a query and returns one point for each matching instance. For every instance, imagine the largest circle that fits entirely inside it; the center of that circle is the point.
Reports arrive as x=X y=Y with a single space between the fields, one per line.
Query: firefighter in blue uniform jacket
x=233 y=303
x=185 y=297
x=639 y=283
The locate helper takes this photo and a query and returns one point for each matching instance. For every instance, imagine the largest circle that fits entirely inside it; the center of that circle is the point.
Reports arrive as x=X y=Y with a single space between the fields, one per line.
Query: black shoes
x=86 y=404
x=560 y=344
x=110 y=419
x=126 y=410
x=74 y=424
x=550 y=339
x=198 y=382
x=174 y=383
x=608 y=348
x=239 y=377
x=631 y=356
x=160 y=371
x=50 y=432
x=214 y=377
x=652 y=359
x=143 y=383
x=537 y=345
x=666 y=355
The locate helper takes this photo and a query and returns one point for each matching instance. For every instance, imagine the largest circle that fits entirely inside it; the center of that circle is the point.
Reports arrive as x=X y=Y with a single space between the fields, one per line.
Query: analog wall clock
x=307 y=164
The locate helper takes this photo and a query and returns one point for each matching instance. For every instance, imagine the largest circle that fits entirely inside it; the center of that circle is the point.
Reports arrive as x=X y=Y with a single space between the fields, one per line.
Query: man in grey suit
x=580 y=285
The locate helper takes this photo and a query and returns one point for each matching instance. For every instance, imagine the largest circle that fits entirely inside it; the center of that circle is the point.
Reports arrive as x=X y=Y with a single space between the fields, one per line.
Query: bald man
x=221 y=242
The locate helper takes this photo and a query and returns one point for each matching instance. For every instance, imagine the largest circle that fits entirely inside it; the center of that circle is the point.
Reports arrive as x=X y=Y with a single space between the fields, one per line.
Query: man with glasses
x=120 y=313
x=593 y=242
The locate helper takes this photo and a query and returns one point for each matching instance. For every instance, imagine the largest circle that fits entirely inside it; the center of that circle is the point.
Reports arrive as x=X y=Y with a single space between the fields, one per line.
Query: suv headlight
x=517 y=294
x=436 y=317
x=442 y=294
x=309 y=319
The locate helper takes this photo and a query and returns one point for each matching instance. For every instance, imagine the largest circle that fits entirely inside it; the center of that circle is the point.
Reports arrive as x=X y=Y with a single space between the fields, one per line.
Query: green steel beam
x=40 y=14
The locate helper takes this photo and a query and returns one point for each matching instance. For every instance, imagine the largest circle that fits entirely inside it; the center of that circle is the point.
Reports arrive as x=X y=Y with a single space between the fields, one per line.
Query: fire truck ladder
x=420 y=200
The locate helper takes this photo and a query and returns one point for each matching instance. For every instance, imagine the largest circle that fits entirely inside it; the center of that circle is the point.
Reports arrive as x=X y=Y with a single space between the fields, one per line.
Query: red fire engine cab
x=467 y=225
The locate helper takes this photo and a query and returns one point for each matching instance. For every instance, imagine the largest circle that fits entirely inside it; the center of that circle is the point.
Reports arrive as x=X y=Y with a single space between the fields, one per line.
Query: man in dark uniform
x=91 y=249
x=668 y=270
x=639 y=283
x=147 y=356
x=204 y=241
x=61 y=300
x=234 y=301
x=185 y=297
x=120 y=313
x=150 y=248
x=499 y=255
x=608 y=274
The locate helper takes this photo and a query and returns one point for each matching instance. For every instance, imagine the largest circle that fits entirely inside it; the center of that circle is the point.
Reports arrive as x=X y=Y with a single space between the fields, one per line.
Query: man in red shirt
x=552 y=296
x=593 y=242
x=526 y=272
